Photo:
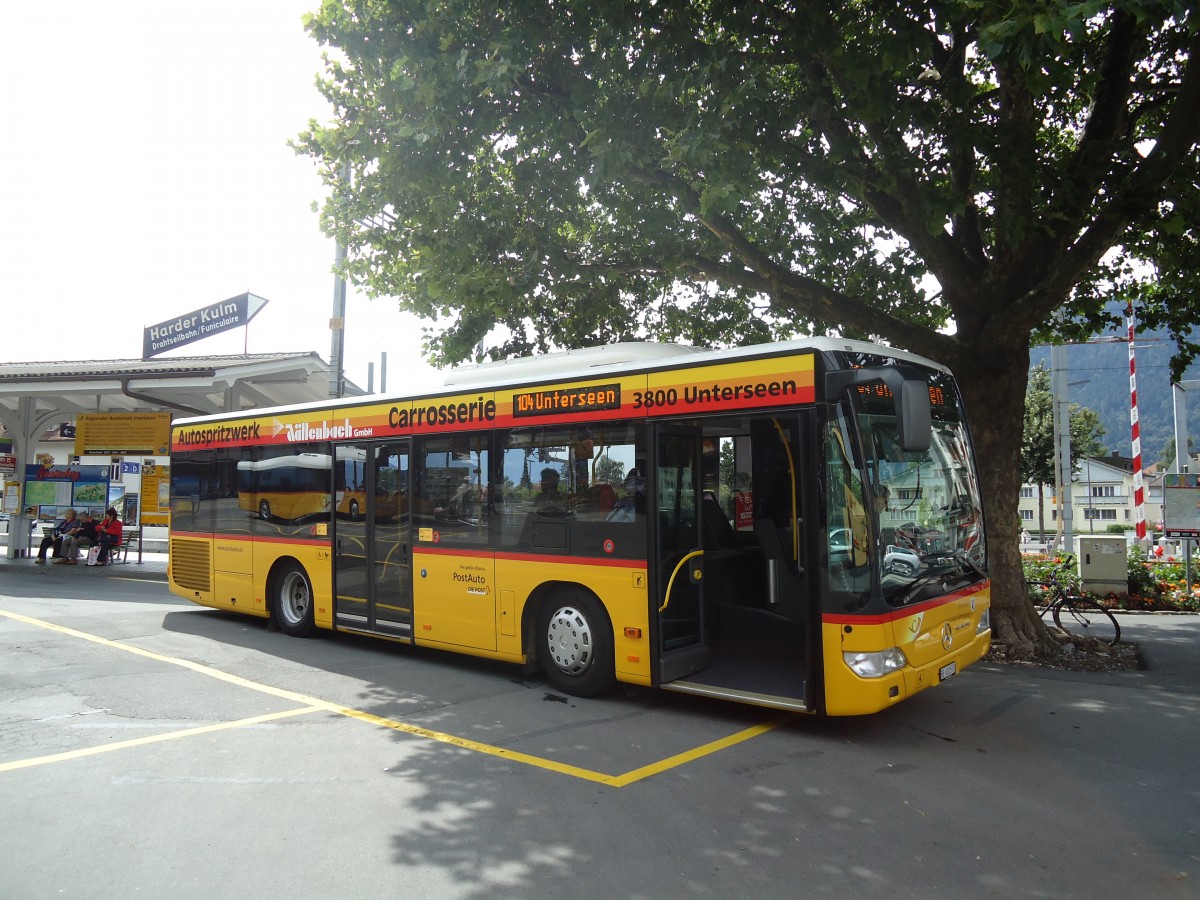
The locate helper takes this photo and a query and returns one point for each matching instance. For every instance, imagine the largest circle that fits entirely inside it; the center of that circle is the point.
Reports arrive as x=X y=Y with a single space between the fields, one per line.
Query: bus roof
x=585 y=363
x=571 y=363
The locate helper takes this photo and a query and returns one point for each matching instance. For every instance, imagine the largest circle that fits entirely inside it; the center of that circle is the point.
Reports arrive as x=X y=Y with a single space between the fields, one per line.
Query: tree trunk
x=994 y=393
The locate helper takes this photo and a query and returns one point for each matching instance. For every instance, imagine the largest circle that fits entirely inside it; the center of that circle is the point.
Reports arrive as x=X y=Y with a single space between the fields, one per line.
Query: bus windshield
x=928 y=514
x=912 y=520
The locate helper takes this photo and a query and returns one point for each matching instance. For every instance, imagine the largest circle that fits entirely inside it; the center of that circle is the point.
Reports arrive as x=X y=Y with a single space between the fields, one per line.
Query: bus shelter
x=35 y=396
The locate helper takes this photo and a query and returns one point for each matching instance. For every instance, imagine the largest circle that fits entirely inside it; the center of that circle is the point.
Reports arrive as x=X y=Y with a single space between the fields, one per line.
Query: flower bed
x=1154 y=585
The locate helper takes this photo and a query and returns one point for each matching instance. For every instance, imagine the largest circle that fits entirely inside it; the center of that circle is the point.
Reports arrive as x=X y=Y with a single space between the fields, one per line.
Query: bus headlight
x=877 y=664
x=985 y=622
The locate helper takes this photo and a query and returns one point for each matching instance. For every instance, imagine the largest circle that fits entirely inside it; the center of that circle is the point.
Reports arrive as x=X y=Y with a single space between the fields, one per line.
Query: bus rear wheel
x=575 y=644
x=292 y=605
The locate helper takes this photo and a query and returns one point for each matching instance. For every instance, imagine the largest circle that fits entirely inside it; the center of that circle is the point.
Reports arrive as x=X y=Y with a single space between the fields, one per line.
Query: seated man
x=548 y=500
x=81 y=539
x=629 y=507
x=54 y=539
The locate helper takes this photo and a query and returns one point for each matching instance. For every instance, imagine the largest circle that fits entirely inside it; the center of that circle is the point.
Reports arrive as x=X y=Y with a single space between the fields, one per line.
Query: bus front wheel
x=264 y=510
x=293 y=602
x=575 y=644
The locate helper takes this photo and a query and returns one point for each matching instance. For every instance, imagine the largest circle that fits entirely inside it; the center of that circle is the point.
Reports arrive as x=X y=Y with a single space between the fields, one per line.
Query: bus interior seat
x=718 y=532
x=784 y=590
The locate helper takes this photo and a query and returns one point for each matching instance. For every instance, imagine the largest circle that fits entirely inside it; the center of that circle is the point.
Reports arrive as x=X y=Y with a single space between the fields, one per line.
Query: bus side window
x=846 y=513
x=450 y=476
x=560 y=482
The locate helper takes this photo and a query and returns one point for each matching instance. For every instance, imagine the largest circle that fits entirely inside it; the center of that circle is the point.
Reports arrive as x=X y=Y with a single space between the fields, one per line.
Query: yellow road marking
x=313 y=704
x=151 y=739
x=696 y=752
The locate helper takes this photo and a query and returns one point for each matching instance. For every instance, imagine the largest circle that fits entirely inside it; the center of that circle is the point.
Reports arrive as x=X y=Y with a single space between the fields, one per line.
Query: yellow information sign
x=124 y=434
x=156 y=494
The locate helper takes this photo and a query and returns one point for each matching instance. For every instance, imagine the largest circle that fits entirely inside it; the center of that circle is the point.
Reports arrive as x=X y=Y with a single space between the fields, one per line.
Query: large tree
x=953 y=177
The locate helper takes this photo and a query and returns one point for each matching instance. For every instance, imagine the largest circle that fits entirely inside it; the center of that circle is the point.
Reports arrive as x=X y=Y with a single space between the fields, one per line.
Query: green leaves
x=653 y=168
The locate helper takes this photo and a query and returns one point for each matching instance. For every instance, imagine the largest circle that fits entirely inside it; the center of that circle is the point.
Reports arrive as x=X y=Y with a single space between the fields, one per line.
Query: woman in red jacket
x=108 y=535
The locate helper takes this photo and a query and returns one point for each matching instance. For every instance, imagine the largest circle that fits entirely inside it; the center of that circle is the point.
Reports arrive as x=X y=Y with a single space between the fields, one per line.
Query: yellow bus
x=794 y=525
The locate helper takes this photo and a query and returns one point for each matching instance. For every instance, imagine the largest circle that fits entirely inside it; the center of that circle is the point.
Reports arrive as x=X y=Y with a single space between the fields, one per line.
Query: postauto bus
x=794 y=525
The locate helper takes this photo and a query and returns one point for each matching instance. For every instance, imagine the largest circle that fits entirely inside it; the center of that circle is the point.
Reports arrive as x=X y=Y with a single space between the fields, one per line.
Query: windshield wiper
x=915 y=588
x=950 y=560
x=959 y=556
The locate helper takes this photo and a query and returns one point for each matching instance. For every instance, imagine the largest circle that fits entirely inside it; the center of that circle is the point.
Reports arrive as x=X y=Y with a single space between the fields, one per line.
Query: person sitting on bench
x=54 y=539
x=81 y=539
x=108 y=535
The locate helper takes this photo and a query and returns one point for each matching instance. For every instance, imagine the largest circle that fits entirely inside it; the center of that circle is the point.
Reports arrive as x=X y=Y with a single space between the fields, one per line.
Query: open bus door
x=735 y=607
x=372 y=539
x=675 y=506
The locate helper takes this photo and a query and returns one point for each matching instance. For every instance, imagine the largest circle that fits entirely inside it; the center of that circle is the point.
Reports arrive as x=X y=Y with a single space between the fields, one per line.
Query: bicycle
x=1074 y=613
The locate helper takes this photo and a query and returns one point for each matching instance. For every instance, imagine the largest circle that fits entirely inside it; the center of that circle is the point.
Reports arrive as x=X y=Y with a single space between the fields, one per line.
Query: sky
x=147 y=174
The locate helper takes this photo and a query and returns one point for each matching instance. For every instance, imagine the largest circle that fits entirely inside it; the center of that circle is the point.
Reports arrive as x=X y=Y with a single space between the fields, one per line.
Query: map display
x=1181 y=505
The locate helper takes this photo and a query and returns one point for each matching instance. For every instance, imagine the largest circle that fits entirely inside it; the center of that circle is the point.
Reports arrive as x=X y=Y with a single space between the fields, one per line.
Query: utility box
x=1103 y=563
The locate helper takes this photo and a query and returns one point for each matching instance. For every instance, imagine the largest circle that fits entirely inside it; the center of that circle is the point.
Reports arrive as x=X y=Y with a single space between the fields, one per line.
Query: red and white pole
x=1139 y=490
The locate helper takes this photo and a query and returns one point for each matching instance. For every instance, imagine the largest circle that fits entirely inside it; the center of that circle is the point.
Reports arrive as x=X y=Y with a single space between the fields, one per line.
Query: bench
x=120 y=552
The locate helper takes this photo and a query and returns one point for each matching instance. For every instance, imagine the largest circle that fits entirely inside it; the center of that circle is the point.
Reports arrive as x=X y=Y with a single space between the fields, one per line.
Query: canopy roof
x=36 y=395
x=191 y=385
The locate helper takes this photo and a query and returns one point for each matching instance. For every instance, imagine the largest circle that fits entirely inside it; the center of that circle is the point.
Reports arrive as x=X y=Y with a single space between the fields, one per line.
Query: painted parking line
x=313 y=704
x=151 y=739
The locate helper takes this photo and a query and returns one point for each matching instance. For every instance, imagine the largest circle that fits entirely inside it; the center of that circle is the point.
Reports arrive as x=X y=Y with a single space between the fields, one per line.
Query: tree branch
x=1135 y=196
x=883 y=179
x=1128 y=199
x=790 y=291
x=1092 y=160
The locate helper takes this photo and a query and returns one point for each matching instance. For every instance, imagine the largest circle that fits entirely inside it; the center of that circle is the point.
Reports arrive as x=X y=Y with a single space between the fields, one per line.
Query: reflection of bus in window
x=793 y=525
x=296 y=487
x=285 y=488
x=350 y=487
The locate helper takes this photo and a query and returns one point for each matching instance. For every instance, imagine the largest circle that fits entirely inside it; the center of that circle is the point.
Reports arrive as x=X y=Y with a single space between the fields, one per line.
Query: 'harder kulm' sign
x=211 y=320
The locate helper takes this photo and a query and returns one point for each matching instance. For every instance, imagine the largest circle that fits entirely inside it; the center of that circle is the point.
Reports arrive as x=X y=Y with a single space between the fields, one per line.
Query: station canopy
x=35 y=396
x=182 y=385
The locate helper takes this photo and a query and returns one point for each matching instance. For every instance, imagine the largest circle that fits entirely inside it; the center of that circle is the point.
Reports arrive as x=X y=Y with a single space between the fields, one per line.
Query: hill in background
x=1104 y=369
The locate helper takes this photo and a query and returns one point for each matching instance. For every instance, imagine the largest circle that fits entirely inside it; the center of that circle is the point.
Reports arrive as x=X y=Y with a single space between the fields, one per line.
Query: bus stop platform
x=150 y=567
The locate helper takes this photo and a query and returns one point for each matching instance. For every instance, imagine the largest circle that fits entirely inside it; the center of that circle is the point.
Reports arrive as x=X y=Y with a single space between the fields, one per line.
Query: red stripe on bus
x=843 y=619
x=535 y=557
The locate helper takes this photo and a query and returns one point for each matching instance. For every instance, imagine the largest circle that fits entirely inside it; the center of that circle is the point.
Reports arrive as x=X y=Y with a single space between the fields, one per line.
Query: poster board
x=1181 y=505
x=51 y=490
x=156 y=494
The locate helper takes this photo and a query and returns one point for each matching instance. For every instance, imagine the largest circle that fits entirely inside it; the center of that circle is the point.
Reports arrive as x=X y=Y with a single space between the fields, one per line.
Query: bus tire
x=575 y=644
x=292 y=601
x=264 y=510
x=354 y=510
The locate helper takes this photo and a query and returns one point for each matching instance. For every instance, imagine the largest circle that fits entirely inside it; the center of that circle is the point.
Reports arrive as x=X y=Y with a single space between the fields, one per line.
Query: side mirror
x=914 y=416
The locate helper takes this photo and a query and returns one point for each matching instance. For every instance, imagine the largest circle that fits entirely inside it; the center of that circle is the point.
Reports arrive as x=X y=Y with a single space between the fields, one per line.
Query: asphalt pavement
x=1169 y=643
x=152 y=747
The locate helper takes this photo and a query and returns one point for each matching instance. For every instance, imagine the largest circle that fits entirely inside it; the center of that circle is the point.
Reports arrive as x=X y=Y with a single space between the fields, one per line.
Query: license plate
x=947 y=671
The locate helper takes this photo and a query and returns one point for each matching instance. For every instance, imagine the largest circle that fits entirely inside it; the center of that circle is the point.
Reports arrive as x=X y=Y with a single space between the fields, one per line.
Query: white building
x=1102 y=495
